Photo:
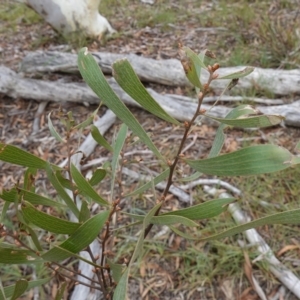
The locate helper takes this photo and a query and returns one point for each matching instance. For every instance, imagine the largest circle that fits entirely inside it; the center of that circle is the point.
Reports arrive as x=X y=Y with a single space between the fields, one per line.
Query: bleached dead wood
x=180 y=107
x=168 y=72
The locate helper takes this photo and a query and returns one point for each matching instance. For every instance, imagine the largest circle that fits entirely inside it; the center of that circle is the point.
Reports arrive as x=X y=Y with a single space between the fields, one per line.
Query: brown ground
x=17 y=115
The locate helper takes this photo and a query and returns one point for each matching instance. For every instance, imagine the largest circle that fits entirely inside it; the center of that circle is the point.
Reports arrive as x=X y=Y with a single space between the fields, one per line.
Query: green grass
x=16 y=14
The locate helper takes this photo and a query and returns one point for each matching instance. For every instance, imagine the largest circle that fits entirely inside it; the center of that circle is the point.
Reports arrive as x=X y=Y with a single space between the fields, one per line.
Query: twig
x=37 y=117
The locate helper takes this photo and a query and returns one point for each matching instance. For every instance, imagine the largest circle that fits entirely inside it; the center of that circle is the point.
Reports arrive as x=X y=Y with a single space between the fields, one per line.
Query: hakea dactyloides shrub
x=24 y=244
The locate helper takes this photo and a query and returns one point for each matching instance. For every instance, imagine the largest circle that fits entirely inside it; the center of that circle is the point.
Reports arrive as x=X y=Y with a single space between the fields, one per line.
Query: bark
x=167 y=72
x=180 y=107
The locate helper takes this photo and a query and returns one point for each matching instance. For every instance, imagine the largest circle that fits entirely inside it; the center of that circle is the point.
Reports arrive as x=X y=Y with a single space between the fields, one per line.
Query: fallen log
x=181 y=108
x=167 y=72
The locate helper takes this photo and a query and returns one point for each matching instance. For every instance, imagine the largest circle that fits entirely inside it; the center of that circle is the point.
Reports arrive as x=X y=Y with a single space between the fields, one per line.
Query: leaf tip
x=86 y=51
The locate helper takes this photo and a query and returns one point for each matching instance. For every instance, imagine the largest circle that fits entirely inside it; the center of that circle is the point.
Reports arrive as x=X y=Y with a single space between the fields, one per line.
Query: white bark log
x=168 y=72
x=180 y=107
x=68 y=16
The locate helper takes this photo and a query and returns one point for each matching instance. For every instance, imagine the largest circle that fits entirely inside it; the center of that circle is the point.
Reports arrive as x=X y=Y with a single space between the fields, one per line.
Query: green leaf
x=84 y=212
x=198 y=67
x=60 y=292
x=48 y=222
x=9 y=290
x=53 y=131
x=98 y=137
x=252 y=160
x=239 y=74
x=192 y=64
x=219 y=140
x=35 y=199
x=61 y=192
x=173 y=219
x=287 y=217
x=80 y=239
x=147 y=220
x=97 y=177
x=20 y=287
x=88 y=121
x=251 y=121
x=66 y=183
x=120 y=292
x=183 y=234
x=4 y=210
x=116 y=270
x=29 y=179
x=205 y=210
x=85 y=187
x=94 y=77
x=192 y=177
x=159 y=178
x=34 y=237
x=17 y=156
x=17 y=256
x=118 y=146
x=126 y=77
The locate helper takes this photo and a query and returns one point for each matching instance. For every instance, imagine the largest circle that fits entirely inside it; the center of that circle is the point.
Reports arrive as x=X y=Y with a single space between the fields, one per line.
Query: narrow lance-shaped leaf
x=198 y=67
x=60 y=291
x=53 y=131
x=205 y=210
x=191 y=64
x=159 y=178
x=121 y=289
x=80 y=239
x=9 y=290
x=183 y=234
x=251 y=121
x=20 y=287
x=97 y=136
x=84 y=211
x=29 y=179
x=84 y=186
x=287 y=217
x=220 y=135
x=239 y=74
x=120 y=292
x=88 y=121
x=97 y=177
x=17 y=156
x=118 y=146
x=126 y=77
x=172 y=219
x=61 y=192
x=32 y=234
x=116 y=270
x=17 y=256
x=94 y=77
x=192 y=177
x=48 y=222
x=252 y=160
x=33 y=198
